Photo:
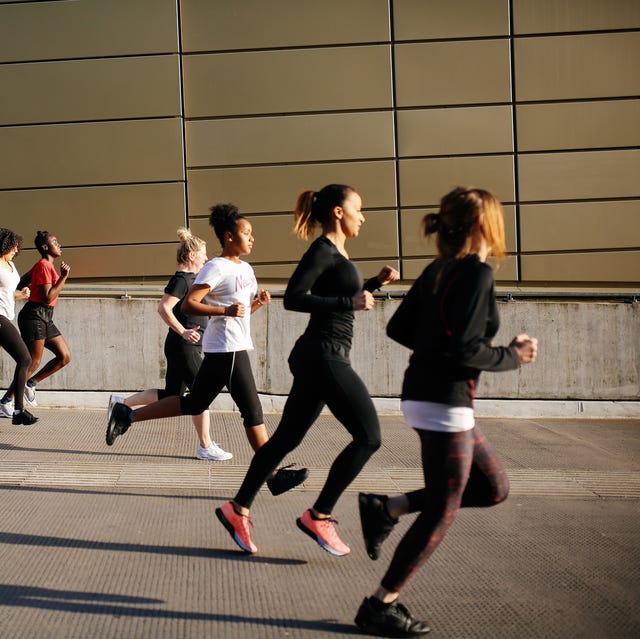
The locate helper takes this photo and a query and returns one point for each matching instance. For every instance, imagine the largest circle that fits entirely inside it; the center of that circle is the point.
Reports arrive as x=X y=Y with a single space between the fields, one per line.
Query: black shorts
x=36 y=322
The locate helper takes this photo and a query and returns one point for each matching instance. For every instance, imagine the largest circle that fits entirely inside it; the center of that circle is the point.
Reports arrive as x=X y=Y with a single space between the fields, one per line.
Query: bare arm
x=165 y=310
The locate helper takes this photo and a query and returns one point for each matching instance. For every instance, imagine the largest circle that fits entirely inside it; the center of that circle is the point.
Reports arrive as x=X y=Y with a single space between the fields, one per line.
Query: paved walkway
x=122 y=542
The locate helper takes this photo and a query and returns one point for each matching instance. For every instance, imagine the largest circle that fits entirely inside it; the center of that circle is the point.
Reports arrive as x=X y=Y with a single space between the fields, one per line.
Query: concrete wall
x=588 y=350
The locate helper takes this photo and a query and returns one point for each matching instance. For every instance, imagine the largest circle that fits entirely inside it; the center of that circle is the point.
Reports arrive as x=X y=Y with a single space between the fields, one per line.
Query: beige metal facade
x=121 y=120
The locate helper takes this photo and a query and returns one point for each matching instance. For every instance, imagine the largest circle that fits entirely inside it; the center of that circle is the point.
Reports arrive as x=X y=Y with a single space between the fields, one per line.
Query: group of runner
x=447 y=319
x=41 y=287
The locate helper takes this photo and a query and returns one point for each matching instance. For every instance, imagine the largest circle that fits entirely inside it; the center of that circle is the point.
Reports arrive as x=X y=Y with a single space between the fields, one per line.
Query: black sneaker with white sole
x=23 y=418
x=119 y=421
x=388 y=620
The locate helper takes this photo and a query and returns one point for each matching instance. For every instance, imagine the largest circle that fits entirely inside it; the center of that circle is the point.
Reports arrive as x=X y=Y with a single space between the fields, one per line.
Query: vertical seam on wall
x=396 y=153
x=514 y=129
x=185 y=195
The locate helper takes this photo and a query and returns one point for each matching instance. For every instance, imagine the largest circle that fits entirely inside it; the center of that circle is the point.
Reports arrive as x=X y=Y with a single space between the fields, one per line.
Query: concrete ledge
x=517 y=409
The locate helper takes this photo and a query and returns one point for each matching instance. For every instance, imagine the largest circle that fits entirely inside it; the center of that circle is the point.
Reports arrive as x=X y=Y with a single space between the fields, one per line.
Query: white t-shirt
x=8 y=283
x=229 y=283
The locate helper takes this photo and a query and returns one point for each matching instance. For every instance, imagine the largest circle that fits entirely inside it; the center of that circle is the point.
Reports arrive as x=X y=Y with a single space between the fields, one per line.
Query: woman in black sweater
x=448 y=320
x=329 y=286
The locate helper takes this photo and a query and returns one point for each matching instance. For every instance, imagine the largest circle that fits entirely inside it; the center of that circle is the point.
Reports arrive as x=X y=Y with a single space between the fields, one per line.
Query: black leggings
x=11 y=341
x=314 y=384
x=460 y=470
x=183 y=362
x=218 y=370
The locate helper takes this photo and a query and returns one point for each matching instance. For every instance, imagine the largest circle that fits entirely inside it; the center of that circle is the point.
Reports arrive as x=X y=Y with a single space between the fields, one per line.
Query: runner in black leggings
x=327 y=285
x=448 y=320
x=10 y=339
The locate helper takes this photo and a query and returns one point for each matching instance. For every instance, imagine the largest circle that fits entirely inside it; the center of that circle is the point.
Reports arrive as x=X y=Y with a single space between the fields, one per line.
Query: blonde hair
x=188 y=243
x=316 y=207
x=456 y=223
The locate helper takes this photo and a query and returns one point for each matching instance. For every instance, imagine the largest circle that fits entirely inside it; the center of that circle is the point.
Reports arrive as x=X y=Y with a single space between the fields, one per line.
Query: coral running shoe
x=238 y=526
x=324 y=532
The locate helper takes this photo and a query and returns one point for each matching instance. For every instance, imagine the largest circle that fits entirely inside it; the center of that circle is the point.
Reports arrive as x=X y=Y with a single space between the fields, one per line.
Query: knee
x=370 y=443
x=65 y=358
x=190 y=405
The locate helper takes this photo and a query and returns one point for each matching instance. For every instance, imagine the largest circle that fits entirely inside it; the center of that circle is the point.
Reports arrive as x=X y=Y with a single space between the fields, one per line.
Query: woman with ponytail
x=328 y=286
x=183 y=344
x=448 y=319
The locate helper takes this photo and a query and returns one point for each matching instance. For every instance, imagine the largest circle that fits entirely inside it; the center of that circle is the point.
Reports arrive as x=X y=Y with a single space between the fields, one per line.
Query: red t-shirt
x=43 y=272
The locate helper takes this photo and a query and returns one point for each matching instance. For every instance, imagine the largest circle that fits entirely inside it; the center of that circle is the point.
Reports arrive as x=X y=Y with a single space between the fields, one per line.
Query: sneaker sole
x=225 y=457
x=370 y=628
x=111 y=434
x=324 y=546
x=232 y=531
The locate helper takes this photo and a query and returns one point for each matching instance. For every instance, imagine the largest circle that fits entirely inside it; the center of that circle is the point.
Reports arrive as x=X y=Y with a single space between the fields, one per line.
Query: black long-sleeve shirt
x=323 y=285
x=448 y=319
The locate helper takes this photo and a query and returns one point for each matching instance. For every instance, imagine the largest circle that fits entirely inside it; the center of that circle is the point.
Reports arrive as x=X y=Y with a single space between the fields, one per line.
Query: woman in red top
x=35 y=320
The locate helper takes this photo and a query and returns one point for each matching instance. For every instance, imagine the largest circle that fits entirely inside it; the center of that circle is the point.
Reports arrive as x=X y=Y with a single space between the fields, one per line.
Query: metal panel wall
x=124 y=120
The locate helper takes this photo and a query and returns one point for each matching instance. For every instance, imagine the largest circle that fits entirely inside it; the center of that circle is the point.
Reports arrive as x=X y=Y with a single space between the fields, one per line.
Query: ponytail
x=316 y=207
x=303 y=215
x=457 y=221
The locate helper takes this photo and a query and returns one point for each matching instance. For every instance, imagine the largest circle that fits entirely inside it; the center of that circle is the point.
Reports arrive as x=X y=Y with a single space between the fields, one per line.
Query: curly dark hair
x=9 y=240
x=223 y=218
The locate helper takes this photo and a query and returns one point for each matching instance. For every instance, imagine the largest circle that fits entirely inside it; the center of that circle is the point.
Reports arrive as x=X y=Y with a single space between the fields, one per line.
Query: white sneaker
x=213 y=453
x=6 y=410
x=30 y=395
x=113 y=400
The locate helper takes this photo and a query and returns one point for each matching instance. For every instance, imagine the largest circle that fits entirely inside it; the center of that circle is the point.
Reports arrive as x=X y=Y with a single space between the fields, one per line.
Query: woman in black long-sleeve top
x=329 y=286
x=448 y=320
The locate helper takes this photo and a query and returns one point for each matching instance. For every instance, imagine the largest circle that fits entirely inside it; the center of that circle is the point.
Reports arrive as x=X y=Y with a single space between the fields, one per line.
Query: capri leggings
x=11 y=341
x=460 y=470
x=183 y=362
x=316 y=383
x=218 y=370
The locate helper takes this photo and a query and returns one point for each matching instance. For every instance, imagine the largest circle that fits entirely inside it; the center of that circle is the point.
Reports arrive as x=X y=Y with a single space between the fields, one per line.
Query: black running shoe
x=286 y=479
x=119 y=422
x=23 y=418
x=392 y=620
x=376 y=522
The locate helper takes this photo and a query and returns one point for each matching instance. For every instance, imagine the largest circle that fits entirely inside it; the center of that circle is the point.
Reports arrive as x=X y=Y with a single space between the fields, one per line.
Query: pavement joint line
x=590 y=484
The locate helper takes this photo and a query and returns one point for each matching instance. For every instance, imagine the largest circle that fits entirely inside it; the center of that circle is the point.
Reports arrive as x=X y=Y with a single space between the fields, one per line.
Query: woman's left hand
x=264 y=297
x=387 y=275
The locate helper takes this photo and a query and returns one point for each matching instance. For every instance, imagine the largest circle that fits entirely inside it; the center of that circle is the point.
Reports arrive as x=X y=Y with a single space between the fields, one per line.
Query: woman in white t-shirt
x=226 y=291
x=10 y=339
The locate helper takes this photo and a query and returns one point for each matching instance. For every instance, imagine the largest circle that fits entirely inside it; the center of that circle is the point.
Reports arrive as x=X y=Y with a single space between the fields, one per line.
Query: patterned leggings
x=460 y=470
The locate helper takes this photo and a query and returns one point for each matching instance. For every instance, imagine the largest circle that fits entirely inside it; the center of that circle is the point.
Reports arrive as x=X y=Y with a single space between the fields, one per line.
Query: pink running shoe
x=324 y=532
x=238 y=527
